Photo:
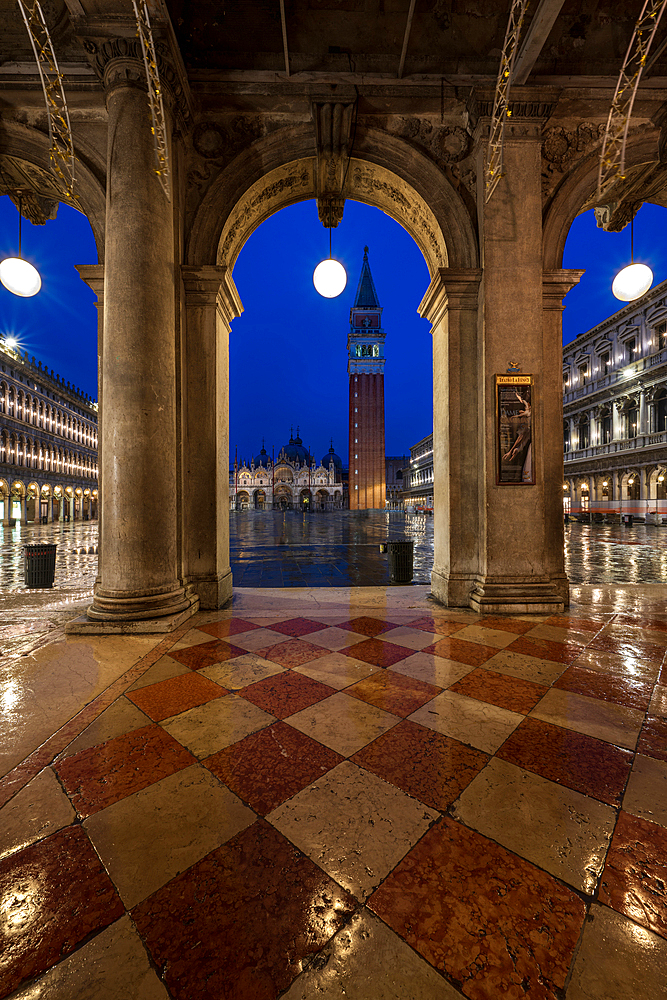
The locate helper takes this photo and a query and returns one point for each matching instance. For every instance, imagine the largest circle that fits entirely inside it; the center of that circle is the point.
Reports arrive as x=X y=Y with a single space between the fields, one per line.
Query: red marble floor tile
x=432 y=767
x=377 y=652
x=500 y=689
x=176 y=695
x=633 y=692
x=503 y=624
x=230 y=626
x=292 y=652
x=583 y=624
x=545 y=649
x=628 y=646
x=634 y=880
x=239 y=924
x=367 y=626
x=472 y=653
x=206 y=654
x=583 y=763
x=653 y=738
x=298 y=626
x=269 y=767
x=496 y=924
x=441 y=626
x=662 y=676
x=54 y=895
x=99 y=776
x=284 y=694
x=393 y=692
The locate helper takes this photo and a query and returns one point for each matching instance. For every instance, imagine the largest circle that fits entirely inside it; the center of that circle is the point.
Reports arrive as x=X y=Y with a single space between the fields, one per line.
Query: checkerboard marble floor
x=367 y=797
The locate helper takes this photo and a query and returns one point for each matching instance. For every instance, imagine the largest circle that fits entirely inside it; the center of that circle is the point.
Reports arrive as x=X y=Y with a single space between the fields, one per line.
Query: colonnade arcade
x=39 y=501
x=167 y=302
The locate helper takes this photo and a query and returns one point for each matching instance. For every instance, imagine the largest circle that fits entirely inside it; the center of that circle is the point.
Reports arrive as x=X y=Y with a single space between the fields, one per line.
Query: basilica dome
x=331 y=456
x=262 y=458
x=295 y=451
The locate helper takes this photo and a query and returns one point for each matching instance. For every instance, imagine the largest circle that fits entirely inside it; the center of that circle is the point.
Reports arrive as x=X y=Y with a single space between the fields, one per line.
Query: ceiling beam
x=284 y=27
x=538 y=32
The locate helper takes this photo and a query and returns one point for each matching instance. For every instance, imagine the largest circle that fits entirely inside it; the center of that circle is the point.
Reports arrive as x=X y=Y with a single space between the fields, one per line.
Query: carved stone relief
x=561 y=148
x=445 y=144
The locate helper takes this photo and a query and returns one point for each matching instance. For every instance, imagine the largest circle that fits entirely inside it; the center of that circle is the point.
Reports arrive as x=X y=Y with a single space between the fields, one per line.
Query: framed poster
x=514 y=430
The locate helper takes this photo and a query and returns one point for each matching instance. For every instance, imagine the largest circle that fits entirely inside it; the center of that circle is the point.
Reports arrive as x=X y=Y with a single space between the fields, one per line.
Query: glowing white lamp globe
x=329 y=278
x=632 y=282
x=20 y=277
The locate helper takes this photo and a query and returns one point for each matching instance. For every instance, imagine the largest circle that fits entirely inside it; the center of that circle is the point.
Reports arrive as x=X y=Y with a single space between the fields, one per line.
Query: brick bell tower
x=365 y=366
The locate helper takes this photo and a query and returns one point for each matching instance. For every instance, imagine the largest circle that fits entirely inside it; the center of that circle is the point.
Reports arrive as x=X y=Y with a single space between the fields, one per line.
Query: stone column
x=211 y=303
x=93 y=275
x=139 y=571
x=643 y=423
x=616 y=420
x=451 y=304
x=522 y=569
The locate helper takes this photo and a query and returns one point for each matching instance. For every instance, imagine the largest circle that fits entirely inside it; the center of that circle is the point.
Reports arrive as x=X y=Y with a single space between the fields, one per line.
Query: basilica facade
x=292 y=481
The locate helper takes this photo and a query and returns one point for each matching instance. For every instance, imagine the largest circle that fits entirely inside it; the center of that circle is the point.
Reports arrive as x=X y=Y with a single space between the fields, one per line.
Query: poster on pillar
x=514 y=430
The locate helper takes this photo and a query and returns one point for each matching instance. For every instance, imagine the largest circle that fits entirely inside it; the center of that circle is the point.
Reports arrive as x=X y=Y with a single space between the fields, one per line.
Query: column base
x=452 y=590
x=519 y=597
x=112 y=606
x=213 y=591
x=144 y=626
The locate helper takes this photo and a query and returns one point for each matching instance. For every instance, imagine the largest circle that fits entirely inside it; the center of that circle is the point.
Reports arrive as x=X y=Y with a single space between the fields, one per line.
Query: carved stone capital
x=119 y=61
x=333 y=138
x=556 y=285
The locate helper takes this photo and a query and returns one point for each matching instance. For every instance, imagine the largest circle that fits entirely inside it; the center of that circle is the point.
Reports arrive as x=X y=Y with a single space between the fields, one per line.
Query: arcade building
x=294 y=481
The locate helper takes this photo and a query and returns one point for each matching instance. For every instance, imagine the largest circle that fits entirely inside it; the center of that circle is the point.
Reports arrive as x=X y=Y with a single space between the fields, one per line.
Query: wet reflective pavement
x=614 y=553
x=341 y=792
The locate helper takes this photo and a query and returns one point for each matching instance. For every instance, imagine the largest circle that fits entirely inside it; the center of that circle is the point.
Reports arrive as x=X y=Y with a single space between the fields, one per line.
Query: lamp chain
x=20 y=203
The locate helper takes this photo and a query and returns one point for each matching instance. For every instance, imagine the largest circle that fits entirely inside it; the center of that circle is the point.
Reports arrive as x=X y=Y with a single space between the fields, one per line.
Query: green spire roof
x=367 y=297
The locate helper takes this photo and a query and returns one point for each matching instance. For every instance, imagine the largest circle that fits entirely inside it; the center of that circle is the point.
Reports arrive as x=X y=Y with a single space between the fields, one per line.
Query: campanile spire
x=365 y=366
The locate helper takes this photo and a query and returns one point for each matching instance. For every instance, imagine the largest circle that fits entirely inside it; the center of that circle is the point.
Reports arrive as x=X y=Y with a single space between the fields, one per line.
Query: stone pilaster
x=93 y=275
x=451 y=306
x=139 y=573
x=211 y=303
x=521 y=562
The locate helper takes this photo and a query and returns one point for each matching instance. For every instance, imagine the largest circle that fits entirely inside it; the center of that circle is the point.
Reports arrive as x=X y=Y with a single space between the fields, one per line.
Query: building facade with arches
x=293 y=481
x=48 y=444
x=615 y=413
x=251 y=127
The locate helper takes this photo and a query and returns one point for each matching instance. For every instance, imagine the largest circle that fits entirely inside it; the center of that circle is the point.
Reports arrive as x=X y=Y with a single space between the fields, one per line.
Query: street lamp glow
x=632 y=282
x=20 y=277
x=329 y=278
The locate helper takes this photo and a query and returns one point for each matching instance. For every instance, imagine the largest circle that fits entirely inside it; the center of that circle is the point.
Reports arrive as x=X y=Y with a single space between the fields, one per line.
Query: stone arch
x=27 y=144
x=384 y=172
x=576 y=189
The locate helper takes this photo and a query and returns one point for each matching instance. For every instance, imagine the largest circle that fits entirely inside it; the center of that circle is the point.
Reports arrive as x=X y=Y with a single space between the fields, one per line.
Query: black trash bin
x=39 y=565
x=400 y=561
x=629 y=519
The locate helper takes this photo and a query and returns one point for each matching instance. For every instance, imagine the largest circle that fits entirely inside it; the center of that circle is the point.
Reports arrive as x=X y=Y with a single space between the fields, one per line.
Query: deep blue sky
x=288 y=349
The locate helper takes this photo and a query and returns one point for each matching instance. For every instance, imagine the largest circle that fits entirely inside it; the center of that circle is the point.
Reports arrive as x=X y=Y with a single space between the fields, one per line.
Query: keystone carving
x=333 y=137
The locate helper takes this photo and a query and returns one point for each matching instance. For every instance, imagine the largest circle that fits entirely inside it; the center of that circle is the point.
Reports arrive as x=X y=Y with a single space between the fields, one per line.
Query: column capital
x=450 y=288
x=210 y=284
x=556 y=284
x=93 y=275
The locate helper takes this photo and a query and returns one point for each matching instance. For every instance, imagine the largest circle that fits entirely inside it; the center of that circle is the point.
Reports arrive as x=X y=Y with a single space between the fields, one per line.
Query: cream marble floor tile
x=119 y=718
x=219 y=723
x=412 y=638
x=367 y=961
x=149 y=837
x=486 y=636
x=431 y=669
x=468 y=720
x=657 y=638
x=336 y=670
x=560 y=830
x=618 y=960
x=616 y=663
x=602 y=719
x=343 y=723
x=44 y=690
x=38 y=810
x=112 y=966
x=334 y=638
x=526 y=668
x=162 y=670
x=241 y=671
x=556 y=634
x=658 y=705
x=354 y=825
x=193 y=638
x=646 y=792
x=260 y=638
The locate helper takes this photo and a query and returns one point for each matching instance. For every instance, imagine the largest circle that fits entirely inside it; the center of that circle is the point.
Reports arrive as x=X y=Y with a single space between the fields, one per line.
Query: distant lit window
x=631 y=347
x=583 y=373
x=661 y=336
x=605 y=363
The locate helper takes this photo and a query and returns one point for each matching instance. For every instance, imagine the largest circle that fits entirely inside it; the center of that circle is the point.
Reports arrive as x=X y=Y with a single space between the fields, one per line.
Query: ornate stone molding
x=333 y=141
x=119 y=61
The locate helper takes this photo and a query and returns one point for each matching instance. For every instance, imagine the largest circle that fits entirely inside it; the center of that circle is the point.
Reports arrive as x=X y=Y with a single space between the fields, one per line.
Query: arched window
x=3 y=447
x=10 y=407
x=3 y=397
x=566 y=435
x=632 y=422
x=584 y=432
x=19 y=406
